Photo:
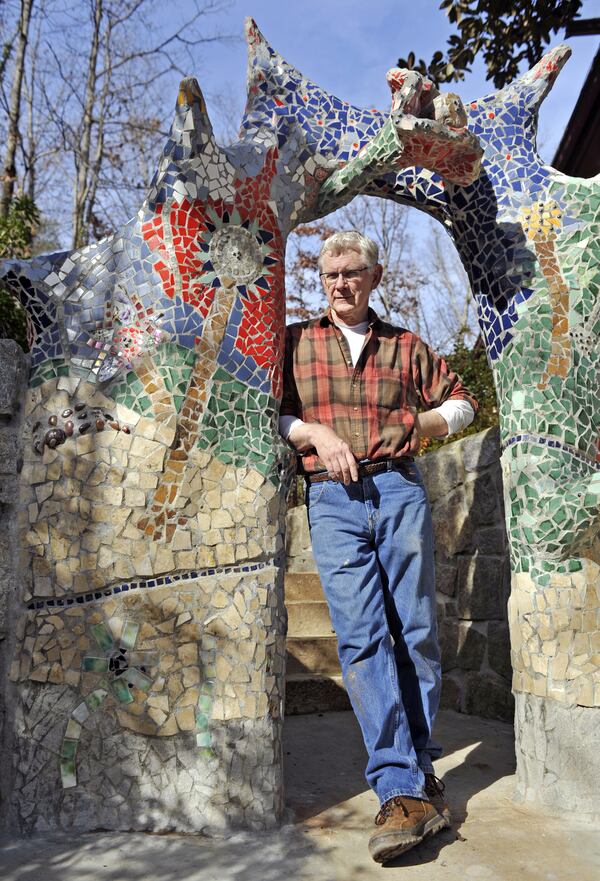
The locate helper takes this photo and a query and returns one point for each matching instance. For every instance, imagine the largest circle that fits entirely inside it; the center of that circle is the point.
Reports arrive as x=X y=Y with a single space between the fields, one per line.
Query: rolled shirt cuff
x=458 y=414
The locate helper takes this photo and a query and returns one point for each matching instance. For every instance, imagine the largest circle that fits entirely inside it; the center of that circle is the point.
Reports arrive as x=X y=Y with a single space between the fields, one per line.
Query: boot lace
x=387 y=809
x=434 y=787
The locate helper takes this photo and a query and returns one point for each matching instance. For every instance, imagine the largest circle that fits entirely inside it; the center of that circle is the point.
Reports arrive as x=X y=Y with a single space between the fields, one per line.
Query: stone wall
x=13 y=384
x=464 y=484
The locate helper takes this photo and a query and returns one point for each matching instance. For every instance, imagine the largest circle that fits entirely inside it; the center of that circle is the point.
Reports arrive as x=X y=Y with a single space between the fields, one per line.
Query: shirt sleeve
x=290 y=402
x=457 y=413
x=287 y=424
x=434 y=381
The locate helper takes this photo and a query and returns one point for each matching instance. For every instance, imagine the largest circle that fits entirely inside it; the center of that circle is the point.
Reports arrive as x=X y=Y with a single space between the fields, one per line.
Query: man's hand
x=333 y=452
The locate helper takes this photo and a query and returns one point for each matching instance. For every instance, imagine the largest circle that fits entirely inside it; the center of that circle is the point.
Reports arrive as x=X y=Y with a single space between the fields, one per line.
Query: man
x=352 y=386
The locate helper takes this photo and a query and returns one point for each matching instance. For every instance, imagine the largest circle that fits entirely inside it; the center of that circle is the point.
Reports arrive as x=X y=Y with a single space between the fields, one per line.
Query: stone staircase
x=313 y=680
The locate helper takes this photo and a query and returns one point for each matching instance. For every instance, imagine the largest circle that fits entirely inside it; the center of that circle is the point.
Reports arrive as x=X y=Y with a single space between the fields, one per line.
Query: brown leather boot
x=434 y=790
x=403 y=822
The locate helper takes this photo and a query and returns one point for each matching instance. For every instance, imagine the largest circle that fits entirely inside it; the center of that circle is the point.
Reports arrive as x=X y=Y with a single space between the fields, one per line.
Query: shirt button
x=356 y=408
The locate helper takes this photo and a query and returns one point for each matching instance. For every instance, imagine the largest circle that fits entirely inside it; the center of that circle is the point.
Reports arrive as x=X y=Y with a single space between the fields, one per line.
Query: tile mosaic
x=154 y=477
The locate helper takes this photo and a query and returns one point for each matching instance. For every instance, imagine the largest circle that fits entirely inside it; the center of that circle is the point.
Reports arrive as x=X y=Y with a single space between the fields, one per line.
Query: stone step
x=316 y=655
x=305 y=693
x=309 y=619
x=301 y=586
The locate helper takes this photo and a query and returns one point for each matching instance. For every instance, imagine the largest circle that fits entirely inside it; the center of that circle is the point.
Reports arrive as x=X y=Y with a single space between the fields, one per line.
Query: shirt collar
x=327 y=321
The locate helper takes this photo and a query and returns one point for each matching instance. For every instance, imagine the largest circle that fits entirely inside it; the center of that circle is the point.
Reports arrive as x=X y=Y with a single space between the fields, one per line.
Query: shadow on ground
x=139 y=857
x=324 y=771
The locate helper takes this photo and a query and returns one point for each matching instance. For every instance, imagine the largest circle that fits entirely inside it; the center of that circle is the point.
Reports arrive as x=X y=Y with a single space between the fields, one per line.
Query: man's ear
x=377 y=273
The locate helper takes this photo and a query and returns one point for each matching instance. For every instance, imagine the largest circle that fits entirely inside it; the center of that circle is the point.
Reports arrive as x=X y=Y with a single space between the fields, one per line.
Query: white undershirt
x=457 y=414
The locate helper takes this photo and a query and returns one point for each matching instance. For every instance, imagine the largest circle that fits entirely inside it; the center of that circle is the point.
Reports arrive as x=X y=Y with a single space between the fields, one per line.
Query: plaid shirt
x=372 y=406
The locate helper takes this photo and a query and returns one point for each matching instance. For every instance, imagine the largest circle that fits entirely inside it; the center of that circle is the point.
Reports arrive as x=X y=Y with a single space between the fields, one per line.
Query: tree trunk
x=82 y=155
x=9 y=171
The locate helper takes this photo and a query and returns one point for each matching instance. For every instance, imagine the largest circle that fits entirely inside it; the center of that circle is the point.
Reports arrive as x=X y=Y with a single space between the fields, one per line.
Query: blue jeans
x=373 y=545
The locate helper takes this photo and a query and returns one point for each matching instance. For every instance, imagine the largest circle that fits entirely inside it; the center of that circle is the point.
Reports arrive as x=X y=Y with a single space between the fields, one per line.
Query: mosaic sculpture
x=149 y=647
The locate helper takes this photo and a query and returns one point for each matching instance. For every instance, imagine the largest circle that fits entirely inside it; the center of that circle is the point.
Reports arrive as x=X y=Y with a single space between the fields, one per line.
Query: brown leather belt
x=366 y=469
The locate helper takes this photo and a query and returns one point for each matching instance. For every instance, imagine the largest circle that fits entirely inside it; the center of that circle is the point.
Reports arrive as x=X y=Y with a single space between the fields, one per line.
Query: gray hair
x=350 y=240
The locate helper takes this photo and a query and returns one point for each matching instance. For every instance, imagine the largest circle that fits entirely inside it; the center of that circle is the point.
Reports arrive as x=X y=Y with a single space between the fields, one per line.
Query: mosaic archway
x=149 y=638
x=148 y=676
x=528 y=238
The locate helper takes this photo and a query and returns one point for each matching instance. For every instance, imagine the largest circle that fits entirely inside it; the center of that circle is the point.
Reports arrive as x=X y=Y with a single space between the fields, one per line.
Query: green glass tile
x=206 y=754
x=204 y=703
x=102 y=636
x=203 y=738
x=137 y=678
x=121 y=691
x=94 y=699
x=129 y=634
x=68 y=748
x=68 y=776
x=201 y=721
x=96 y=665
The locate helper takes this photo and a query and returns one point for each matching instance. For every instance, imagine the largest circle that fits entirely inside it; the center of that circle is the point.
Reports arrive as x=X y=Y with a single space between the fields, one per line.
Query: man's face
x=348 y=298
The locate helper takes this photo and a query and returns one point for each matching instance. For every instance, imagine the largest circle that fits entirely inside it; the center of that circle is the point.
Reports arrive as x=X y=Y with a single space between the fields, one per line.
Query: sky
x=346 y=47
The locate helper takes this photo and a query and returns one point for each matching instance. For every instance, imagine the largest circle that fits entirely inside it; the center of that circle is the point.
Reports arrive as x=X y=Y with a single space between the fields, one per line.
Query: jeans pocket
x=315 y=493
x=410 y=475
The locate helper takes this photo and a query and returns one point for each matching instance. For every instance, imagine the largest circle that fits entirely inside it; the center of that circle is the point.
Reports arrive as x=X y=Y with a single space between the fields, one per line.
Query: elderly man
x=352 y=387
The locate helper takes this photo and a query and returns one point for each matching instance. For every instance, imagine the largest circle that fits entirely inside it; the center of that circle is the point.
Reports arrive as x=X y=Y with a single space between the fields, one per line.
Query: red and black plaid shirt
x=372 y=406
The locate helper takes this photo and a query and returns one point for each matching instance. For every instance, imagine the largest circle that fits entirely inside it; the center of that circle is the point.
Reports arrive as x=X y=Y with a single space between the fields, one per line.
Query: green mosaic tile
x=95 y=665
x=121 y=691
x=69 y=748
x=129 y=634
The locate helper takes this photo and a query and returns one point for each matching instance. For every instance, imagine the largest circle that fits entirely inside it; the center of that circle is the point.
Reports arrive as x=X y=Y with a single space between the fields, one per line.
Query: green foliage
x=502 y=32
x=16 y=233
x=476 y=374
x=13 y=319
x=17 y=228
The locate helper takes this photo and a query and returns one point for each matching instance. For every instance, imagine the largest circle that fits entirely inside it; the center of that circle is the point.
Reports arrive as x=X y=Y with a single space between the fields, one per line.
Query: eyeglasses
x=330 y=278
